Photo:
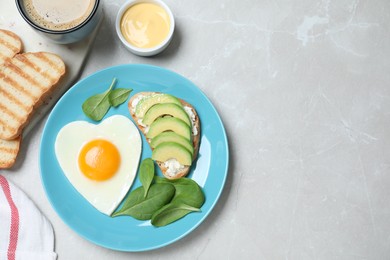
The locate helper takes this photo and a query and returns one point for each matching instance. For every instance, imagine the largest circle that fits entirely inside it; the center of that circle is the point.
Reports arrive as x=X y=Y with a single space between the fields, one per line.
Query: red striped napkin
x=24 y=232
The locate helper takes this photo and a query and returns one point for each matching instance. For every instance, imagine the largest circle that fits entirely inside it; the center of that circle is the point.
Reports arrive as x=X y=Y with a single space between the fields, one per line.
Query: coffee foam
x=55 y=22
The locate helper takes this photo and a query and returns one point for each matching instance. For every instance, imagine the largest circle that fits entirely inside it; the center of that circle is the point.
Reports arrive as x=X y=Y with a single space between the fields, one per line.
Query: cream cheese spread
x=173 y=167
x=192 y=118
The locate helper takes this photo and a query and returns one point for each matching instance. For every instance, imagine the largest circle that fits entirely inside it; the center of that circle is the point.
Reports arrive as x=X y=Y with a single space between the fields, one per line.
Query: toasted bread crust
x=25 y=81
x=195 y=137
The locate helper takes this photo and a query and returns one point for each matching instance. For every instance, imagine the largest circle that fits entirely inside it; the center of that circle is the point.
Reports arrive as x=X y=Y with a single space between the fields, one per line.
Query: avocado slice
x=172 y=137
x=147 y=102
x=162 y=109
x=173 y=124
x=170 y=150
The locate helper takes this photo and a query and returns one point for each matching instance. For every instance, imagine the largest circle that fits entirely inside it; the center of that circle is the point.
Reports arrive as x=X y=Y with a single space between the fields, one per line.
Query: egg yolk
x=99 y=160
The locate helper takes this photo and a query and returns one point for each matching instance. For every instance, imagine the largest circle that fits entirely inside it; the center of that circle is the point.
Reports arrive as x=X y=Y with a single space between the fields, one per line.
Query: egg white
x=106 y=195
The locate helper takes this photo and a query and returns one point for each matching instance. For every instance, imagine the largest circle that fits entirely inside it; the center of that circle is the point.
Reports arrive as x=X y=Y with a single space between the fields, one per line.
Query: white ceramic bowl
x=144 y=51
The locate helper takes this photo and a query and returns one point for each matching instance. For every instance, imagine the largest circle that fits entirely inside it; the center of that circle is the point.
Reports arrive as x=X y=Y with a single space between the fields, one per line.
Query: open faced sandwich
x=172 y=128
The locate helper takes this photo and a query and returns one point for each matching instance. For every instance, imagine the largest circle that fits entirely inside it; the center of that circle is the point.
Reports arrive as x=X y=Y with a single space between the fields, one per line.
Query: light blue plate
x=126 y=233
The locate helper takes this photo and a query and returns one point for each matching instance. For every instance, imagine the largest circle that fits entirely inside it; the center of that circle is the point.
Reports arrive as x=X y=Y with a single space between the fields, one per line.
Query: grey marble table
x=303 y=88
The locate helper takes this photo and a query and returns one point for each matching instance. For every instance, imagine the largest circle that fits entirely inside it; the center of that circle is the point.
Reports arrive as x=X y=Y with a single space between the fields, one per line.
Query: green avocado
x=170 y=150
x=172 y=137
x=173 y=124
x=162 y=109
x=147 y=102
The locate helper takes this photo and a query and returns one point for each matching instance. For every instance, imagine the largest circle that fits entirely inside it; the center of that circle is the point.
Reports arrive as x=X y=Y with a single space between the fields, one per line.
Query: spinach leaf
x=139 y=207
x=187 y=191
x=146 y=174
x=170 y=213
x=96 y=107
x=118 y=96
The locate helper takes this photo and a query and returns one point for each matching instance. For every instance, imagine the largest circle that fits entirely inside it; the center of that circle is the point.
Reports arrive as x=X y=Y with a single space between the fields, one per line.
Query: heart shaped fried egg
x=100 y=160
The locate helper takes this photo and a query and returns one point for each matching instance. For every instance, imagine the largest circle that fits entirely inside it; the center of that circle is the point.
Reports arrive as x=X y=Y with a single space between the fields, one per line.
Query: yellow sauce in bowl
x=145 y=25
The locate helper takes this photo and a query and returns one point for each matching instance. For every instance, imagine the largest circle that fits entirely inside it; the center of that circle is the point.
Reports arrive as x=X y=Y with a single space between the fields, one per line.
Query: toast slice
x=10 y=45
x=25 y=80
x=8 y=152
x=195 y=132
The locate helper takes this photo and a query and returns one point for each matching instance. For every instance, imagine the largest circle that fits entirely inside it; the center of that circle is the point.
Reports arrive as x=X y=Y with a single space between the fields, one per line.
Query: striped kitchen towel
x=24 y=232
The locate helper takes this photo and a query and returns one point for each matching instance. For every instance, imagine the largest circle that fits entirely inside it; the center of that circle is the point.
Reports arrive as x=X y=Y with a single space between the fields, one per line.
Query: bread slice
x=25 y=80
x=8 y=152
x=10 y=45
x=195 y=134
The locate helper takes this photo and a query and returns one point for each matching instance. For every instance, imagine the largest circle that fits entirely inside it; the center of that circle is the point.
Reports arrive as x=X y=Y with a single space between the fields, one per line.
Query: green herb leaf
x=187 y=191
x=119 y=96
x=170 y=213
x=146 y=174
x=139 y=207
x=98 y=105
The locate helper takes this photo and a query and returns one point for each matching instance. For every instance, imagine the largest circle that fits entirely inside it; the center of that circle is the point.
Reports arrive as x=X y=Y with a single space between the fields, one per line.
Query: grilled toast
x=9 y=151
x=24 y=82
x=10 y=45
x=195 y=134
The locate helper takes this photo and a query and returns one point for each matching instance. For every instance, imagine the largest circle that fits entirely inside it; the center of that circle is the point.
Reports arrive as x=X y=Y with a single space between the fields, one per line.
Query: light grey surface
x=303 y=90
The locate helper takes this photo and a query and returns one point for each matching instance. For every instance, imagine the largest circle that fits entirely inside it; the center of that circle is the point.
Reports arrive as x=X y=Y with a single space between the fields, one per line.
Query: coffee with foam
x=58 y=15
